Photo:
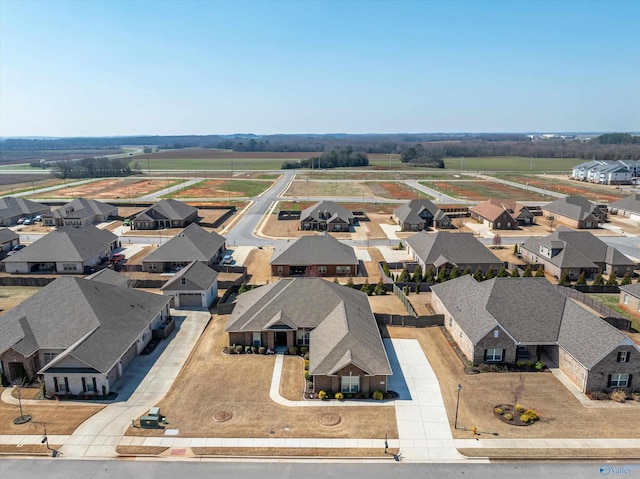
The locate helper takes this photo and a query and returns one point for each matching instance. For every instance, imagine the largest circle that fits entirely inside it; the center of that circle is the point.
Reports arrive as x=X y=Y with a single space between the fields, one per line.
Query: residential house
x=606 y=172
x=629 y=207
x=570 y=252
x=12 y=209
x=418 y=215
x=335 y=322
x=576 y=212
x=8 y=239
x=109 y=276
x=78 y=335
x=195 y=285
x=194 y=243
x=500 y=214
x=326 y=216
x=167 y=213
x=321 y=255
x=65 y=250
x=448 y=250
x=630 y=297
x=80 y=212
x=505 y=320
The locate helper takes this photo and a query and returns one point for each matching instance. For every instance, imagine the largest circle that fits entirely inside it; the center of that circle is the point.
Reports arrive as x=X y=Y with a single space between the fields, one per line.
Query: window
x=619 y=380
x=89 y=385
x=48 y=357
x=496 y=333
x=280 y=269
x=322 y=269
x=343 y=269
x=61 y=384
x=623 y=356
x=302 y=338
x=626 y=299
x=350 y=384
x=257 y=340
x=493 y=354
x=183 y=281
x=69 y=267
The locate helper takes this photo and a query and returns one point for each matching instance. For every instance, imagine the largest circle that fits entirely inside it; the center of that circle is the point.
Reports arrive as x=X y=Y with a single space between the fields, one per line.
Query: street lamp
x=455 y=421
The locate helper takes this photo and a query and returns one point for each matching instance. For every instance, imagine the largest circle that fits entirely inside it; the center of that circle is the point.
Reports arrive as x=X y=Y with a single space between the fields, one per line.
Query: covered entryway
x=281 y=338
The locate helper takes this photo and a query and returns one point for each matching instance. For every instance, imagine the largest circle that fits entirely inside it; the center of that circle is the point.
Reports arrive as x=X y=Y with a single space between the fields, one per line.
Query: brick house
x=500 y=214
x=420 y=214
x=80 y=212
x=12 y=209
x=576 y=212
x=504 y=320
x=326 y=216
x=167 y=213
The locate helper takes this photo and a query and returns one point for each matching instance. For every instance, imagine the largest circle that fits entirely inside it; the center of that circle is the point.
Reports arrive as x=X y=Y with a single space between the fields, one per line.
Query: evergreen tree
x=350 y=282
x=581 y=279
x=442 y=275
x=515 y=248
x=407 y=290
x=417 y=274
x=428 y=276
x=400 y=246
x=599 y=279
x=502 y=272
x=404 y=276
x=478 y=276
x=380 y=289
x=489 y=274
x=417 y=288
x=540 y=272
x=527 y=272
x=612 y=281
x=565 y=280
x=366 y=287
x=626 y=279
x=466 y=271
x=454 y=273
x=385 y=268
x=335 y=280
x=515 y=273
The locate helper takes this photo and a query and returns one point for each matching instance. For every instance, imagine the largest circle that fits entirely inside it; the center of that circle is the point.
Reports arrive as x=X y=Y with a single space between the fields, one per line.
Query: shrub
x=508 y=417
x=262 y=350
x=339 y=396
x=599 y=396
x=636 y=396
x=498 y=411
x=247 y=349
x=309 y=385
x=254 y=349
x=306 y=364
x=230 y=349
x=239 y=348
x=307 y=376
x=618 y=395
x=365 y=395
x=519 y=364
x=304 y=350
x=293 y=351
x=322 y=395
x=529 y=416
x=330 y=394
x=348 y=396
x=306 y=356
x=519 y=408
x=539 y=366
x=377 y=395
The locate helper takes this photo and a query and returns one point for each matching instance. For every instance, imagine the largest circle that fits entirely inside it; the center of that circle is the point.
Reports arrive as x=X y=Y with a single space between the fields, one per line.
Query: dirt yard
x=306 y=188
x=274 y=228
x=119 y=188
x=396 y=190
x=387 y=304
x=483 y=190
x=217 y=383
x=224 y=189
x=11 y=296
x=257 y=264
x=563 y=185
x=561 y=414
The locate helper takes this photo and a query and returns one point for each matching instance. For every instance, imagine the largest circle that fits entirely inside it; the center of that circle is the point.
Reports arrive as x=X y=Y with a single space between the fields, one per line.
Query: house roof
x=493 y=208
x=455 y=248
x=168 y=209
x=81 y=208
x=7 y=235
x=577 y=249
x=344 y=329
x=66 y=244
x=196 y=275
x=630 y=203
x=315 y=250
x=531 y=311
x=109 y=276
x=11 y=207
x=328 y=211
x=193 y=243
x=574 y=207
x=632 y=289
x=410 y=211
x=94 y=321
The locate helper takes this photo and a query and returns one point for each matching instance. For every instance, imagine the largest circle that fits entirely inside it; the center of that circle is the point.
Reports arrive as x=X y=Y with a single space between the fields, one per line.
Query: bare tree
x=518 y=389
x=497 y=241
x=550 y=221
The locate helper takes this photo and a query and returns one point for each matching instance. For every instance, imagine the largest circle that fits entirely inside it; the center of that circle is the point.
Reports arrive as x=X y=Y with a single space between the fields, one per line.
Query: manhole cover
x=222 y=416
x=330 y=419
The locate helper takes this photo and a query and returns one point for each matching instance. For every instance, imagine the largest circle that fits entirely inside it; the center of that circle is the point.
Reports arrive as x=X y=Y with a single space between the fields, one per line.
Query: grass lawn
x=511 y=163
x=328 y=188
x=222 y=188
x=612 y=301
x=212 y=164
x=481 y=190
x=11 y=296
x=211 y=382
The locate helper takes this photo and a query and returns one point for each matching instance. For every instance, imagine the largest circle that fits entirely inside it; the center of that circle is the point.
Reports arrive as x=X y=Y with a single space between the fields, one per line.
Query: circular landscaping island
x=330 y=419
x=515 y=415
x=222 y=416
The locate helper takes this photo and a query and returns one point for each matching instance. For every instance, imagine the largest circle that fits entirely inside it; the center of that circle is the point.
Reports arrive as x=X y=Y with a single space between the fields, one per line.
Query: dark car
x=18 y=247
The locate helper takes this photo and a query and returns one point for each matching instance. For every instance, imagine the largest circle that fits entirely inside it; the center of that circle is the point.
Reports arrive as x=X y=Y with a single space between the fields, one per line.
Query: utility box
x=150 y=422
x=154 y=411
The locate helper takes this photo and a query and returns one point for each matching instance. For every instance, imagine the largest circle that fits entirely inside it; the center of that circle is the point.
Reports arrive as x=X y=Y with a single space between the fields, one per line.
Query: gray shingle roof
x=315 y=250
x=574 y=207
x=81 y=208
x=66 y=244
x=457 y=248
x=108 y=317
x=630 y=203
x=532 y=311
x=344 y=328
x=632 y=289
x=109 y=276
x=197 y=276
x=7 y=235
x=409 y=212
x=194 y=243
x=327 y=210
x=11 y=207
x=166 y=209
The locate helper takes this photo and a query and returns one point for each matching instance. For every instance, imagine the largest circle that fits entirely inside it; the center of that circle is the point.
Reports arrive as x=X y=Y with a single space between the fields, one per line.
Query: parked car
x=28 y=221
x=38 y=219
x=116 y=258
x=18 y=247
x=21 y=220
x=227 y=259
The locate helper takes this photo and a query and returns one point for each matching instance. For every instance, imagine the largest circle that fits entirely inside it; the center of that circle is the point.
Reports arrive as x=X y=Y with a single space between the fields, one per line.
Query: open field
x=211 y=382
x=561 y=414
x=112 y=188
x=511 y=163
x=484 y=190
x=395 y=190
x=368 y=174
x=328 y=188
x=11 y=296
x=14 y=183
x=223 y=188
x=14 y=156
x=382 y=208
x=570 y=187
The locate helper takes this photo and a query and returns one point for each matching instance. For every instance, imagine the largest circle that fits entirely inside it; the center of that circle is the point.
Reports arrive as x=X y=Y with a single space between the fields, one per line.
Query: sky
x=135 y=67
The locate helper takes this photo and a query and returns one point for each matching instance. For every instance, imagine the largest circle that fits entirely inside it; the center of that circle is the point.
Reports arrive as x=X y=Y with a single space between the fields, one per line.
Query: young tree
x=565 y=280
x=515 y=273
x=612 y=280
x=417 y=288
x=400 y=246
x=350 y=282
x=626 y=279
x=429 y=276
x=527 y=272
x=417 y=274
x=380 y=289
x=497 y=241
x=385 y=268
x=242 y=289
x=466 y=271
x=581 y=279
x=515 y=249
x=478 y=276
x=540 y=272
x=454 y=273
x=599 y=279
x=442 y=275
x=518 y=389
x=489 y=274
x=404 y=276
x=366 y=287
x=502 y=272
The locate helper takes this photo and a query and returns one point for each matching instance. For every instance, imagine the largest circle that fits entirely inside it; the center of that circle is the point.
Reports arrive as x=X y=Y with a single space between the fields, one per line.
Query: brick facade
x=599 y=375
x=12 y=373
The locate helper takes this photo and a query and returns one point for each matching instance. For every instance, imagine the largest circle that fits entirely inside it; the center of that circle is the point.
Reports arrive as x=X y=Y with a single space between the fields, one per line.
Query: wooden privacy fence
x=400 y=294
x=610 y=316
x=409 y=321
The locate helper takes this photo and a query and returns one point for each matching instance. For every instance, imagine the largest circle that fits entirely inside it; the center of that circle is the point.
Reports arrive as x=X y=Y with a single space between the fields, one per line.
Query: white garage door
x=190 y=300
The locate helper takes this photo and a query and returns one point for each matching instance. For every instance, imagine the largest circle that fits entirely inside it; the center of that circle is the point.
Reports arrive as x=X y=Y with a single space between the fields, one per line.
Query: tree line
x=92 y=168
x=331 y=159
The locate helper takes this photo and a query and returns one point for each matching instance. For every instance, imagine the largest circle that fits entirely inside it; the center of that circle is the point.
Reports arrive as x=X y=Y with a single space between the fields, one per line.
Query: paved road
x=439 y=196
x=105 y=469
